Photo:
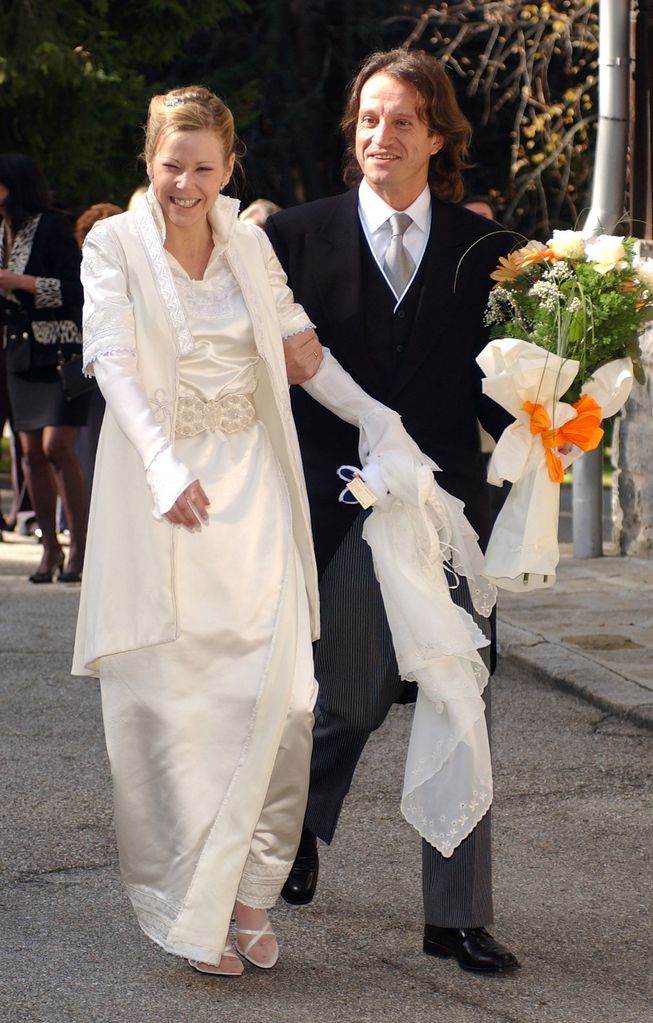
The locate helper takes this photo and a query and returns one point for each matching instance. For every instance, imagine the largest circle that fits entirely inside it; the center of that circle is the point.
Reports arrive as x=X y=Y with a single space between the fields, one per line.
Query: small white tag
x=361 y=492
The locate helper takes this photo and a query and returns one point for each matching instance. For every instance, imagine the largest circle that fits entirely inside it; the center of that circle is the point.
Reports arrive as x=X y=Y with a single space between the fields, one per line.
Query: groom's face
x=393 y=144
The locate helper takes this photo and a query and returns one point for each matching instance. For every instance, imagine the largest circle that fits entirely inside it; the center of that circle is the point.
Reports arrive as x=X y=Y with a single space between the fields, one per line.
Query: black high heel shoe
x=70 y=577
x=46 y=577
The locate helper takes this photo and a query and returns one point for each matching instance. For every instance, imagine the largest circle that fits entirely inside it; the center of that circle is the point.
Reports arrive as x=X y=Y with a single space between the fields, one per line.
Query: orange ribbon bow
x=583 y=431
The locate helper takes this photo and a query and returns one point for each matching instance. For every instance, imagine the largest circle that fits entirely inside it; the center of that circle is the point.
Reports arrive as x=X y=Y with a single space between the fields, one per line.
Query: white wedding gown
x=209 y=737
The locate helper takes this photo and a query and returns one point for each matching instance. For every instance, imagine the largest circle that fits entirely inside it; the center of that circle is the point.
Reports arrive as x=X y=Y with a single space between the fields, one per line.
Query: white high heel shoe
x=229 y=953
x=272 y=954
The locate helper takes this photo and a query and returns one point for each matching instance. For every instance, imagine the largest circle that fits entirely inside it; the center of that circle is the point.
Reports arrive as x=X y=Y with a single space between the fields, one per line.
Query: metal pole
x=641 y=132
x=587 y=504
x=607 y=209
x=609 y=181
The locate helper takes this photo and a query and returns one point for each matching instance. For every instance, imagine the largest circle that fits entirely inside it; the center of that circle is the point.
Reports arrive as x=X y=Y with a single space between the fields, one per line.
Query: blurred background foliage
x=76 y=75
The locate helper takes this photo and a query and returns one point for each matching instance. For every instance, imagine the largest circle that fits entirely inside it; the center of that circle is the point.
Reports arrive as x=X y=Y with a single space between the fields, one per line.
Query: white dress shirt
x=374 y=215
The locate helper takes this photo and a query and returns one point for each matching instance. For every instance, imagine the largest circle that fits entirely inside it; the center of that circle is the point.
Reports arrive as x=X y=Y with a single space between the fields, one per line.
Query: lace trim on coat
x=261 y=884
x=156 y=918
x=56 y=332
x=300 y=330
x=47 y=293
x=163 y=276
x=112 y=350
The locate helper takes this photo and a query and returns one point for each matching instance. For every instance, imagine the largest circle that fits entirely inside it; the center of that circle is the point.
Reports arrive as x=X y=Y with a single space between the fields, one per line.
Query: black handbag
x=75 y=384
x=16 y=334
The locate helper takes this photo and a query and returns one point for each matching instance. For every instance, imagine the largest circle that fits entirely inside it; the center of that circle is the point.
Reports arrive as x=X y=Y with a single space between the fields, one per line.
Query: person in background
x=91 y=215
x=481 y=204
x=258 y=212
x=42 y=308
x=136 y=194
x=19 y=512
x=395 y=274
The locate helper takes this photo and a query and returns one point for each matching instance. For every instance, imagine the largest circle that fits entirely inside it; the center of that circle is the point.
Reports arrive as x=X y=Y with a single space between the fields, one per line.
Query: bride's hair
x=190 y=108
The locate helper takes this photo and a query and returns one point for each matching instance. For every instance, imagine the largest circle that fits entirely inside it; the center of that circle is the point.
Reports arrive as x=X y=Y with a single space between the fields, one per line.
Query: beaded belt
x=231 y=414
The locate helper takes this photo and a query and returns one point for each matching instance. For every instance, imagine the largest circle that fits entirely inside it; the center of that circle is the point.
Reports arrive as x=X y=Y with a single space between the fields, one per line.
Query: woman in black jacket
x=41 y=298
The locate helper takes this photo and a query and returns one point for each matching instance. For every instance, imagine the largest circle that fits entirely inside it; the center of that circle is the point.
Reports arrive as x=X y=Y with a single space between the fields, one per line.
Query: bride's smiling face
x=187 y=171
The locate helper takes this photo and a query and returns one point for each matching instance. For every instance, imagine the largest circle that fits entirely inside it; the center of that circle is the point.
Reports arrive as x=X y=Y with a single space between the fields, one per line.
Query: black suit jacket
x=54 y=254
x=436 y=388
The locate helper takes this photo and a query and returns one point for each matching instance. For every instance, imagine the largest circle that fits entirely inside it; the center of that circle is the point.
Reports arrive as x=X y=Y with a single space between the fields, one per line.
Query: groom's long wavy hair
x=437 y=106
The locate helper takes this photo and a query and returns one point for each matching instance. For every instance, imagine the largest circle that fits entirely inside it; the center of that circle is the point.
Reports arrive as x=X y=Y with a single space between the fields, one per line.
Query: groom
x=395 y=276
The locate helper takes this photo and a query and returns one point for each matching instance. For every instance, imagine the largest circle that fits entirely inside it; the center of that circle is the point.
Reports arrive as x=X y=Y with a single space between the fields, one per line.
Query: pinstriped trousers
x=358 y=678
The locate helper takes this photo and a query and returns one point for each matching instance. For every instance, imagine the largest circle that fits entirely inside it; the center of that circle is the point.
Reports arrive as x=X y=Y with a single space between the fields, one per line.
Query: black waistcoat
x=390 y=330
x=387 y=340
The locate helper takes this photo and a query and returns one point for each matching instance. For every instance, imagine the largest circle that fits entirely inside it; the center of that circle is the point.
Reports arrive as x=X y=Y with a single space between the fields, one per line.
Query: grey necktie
x=398 y=263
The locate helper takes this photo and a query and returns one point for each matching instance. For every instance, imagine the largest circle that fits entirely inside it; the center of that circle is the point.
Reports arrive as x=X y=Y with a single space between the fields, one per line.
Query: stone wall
x=632 y=457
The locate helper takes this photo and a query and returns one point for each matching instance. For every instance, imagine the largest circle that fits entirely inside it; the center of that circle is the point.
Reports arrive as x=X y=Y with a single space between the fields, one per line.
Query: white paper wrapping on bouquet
x=448 y=776
x=523 y=550
x=611 y=386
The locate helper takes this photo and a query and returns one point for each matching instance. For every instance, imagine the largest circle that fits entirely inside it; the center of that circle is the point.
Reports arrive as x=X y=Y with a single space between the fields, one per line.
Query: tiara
x=191 y=97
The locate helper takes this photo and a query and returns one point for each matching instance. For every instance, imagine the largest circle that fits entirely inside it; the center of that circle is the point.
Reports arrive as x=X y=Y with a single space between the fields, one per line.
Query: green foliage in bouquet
x=587 y=300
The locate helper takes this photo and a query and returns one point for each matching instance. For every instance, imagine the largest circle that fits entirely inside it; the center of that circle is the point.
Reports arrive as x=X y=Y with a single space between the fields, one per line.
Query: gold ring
x=316 y=355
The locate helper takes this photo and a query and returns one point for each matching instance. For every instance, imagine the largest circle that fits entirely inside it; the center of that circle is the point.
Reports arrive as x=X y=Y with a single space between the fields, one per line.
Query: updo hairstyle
x=191 y=108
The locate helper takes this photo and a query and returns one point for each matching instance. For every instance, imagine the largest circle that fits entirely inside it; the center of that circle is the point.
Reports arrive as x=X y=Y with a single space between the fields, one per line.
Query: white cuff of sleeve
x=298 y=330
x=167 y=478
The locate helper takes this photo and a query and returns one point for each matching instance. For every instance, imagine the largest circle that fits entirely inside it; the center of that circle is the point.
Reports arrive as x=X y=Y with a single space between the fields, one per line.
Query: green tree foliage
x=76 y=75
x=283 y=67
x=75 y=78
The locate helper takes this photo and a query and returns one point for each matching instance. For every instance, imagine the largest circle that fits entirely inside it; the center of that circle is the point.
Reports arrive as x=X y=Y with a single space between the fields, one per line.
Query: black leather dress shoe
x=472 y=947
x=299 y=889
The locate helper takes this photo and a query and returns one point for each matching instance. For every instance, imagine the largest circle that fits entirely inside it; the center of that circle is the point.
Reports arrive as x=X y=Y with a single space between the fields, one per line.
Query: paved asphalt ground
x=572 y=846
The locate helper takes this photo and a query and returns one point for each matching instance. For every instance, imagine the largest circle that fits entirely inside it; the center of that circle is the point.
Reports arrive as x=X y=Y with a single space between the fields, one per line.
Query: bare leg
x=59 y=447
x=43 y=494
x=20 y=500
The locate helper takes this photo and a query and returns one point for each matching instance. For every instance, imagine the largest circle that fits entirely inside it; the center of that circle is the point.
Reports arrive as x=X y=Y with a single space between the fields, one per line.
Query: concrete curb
x=569 y=669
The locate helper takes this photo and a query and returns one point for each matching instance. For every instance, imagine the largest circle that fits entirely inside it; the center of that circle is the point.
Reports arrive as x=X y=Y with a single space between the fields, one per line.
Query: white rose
x=567 y=244
x=644 y=272
x=606 y=252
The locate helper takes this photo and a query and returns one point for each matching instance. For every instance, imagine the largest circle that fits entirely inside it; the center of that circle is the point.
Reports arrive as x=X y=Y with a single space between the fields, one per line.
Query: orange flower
x=509 y=268
x=539 y=256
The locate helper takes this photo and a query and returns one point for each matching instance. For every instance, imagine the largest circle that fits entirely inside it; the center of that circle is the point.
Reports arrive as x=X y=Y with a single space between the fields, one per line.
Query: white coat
x=128 y=588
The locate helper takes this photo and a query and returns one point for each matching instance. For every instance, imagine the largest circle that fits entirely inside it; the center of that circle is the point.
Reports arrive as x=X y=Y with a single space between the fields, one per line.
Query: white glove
x=118 y=379
x=381 y=430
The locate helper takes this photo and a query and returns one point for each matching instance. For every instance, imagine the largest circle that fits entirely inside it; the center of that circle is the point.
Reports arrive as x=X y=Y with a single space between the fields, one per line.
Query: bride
x=199 y=592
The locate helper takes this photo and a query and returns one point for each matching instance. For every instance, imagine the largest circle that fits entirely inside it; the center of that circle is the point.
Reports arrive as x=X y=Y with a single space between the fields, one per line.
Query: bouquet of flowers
x=566 y=317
